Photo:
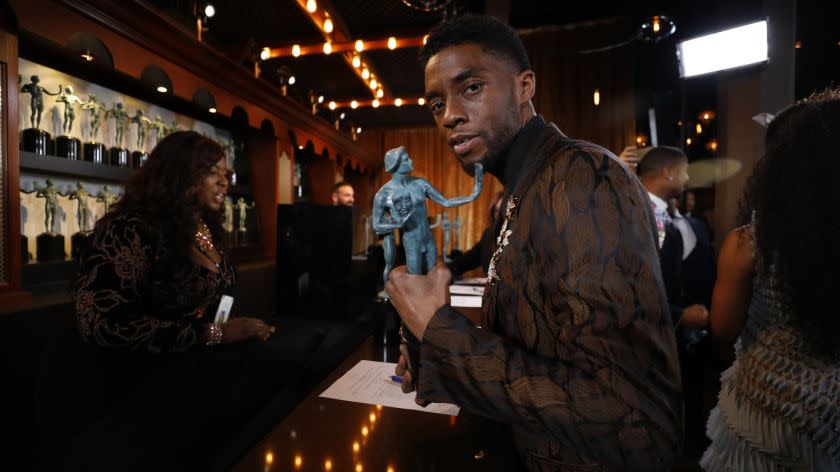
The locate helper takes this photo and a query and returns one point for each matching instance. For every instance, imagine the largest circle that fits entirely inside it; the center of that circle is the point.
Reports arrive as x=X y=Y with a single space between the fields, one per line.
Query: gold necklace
x=203 y=238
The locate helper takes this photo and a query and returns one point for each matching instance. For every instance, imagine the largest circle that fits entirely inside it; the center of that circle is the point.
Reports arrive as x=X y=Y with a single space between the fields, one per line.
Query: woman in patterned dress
x=150 y=379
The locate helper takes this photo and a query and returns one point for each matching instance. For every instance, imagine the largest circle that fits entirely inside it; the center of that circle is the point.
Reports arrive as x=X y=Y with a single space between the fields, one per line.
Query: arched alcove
x=205 y=100
x=90 y=48
x=157 y=78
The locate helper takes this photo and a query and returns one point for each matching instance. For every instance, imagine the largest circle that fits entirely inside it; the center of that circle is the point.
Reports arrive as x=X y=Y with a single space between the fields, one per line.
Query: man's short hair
x=659 y=158
x=488 y=32
x=339 y=185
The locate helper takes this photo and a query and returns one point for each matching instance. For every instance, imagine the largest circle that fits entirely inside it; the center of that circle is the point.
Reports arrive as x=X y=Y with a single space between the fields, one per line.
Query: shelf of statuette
x=51 y=165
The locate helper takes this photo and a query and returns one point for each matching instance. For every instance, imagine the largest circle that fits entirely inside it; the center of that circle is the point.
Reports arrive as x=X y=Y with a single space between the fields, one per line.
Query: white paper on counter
x=464 y=301
x=473 y=290
x=370 y=382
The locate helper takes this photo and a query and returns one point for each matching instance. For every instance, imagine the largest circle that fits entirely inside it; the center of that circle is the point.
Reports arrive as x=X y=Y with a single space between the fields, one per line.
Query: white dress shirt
x=660 y=210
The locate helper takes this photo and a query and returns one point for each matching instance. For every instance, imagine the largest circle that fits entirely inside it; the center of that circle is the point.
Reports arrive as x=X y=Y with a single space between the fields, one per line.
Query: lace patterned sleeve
x=110 y=293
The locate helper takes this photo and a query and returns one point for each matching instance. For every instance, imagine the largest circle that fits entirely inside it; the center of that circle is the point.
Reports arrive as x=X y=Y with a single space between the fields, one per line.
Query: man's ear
x=526 y=84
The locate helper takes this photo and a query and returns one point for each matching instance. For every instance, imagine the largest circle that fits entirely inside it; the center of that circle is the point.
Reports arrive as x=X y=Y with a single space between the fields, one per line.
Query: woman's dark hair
x=163 y=193
x=797 y=216
x=488 y=32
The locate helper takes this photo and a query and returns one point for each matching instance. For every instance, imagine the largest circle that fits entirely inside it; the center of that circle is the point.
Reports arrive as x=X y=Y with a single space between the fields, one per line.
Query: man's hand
x=630 y=156
x=418 y=297
x=695 y=316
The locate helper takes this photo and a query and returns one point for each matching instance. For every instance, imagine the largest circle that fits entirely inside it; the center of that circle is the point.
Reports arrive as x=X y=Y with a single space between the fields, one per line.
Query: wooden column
x=11 y=291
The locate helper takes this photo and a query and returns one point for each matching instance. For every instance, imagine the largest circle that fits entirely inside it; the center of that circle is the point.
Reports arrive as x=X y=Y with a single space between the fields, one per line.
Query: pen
x=397 y=379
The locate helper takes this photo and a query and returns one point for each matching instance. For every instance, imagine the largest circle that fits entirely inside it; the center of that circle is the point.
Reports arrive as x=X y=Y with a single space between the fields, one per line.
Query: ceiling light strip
x=310 y=49
x=339 y=38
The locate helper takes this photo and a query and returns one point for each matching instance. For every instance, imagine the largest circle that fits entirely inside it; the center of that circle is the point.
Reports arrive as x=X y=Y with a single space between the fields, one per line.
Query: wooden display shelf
x=59 y=166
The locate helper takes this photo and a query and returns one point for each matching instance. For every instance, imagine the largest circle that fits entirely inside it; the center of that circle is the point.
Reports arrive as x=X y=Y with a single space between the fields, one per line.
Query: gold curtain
x=566 y=81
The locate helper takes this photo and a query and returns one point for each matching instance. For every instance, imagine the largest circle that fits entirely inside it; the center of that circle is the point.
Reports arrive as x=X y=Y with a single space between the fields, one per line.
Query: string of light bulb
x=336 y=40
x=376 y=103
x=356 y=46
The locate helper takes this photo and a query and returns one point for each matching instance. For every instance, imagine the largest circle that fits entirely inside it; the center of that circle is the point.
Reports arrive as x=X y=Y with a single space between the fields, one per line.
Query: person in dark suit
x=698 y=263
x=664 y=172
x=685 y=256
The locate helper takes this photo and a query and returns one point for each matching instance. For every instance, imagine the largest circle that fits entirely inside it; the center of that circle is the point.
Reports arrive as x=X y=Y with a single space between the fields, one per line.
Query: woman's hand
x=241 y=329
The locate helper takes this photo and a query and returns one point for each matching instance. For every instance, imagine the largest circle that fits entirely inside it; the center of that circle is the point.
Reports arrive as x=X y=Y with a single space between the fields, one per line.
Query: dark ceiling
x=241 y=28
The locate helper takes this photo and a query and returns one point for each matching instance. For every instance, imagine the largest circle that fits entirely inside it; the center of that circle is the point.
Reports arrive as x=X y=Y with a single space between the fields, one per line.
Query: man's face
x=343 y=196
x=677 y=175
x=689 y=202
x=475 y=98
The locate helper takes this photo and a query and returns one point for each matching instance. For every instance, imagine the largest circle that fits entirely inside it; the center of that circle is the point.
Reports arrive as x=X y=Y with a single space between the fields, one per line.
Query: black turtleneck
x=518 y=153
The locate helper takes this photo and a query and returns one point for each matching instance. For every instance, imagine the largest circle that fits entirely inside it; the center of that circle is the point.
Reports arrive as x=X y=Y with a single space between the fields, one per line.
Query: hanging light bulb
x=296 y=50
x=342 y=116
x=354 y=104
x=311 y=6
x=380 y=93
x=328 y=25
x=360 y=45
x=375 y=104
x=292 y=80
x=373 y=84
x=320 y=99
x=209 y=10
x=596 y=97
x=658 y=28
x=421 y=101
x=365 y=73
x=397 y=102
x=357 y=62
x=359 y=130
x=698 y=128
x=706 y=117
x=332 y=105
x=327 y=48
x=265 y=54
x=392 y=43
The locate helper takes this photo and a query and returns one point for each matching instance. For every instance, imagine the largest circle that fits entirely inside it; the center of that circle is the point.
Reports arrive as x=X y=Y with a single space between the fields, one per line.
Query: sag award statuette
x=94 y=151
x=242 y=208
x=401 y=204
x=35 y=139
x=140 y=156
x=107 y=197
x=80 y=239
x=49 y=244
x=456 y=247
x=159 y=127
x=66 y=145
x=118 y=155
x=228 y=236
